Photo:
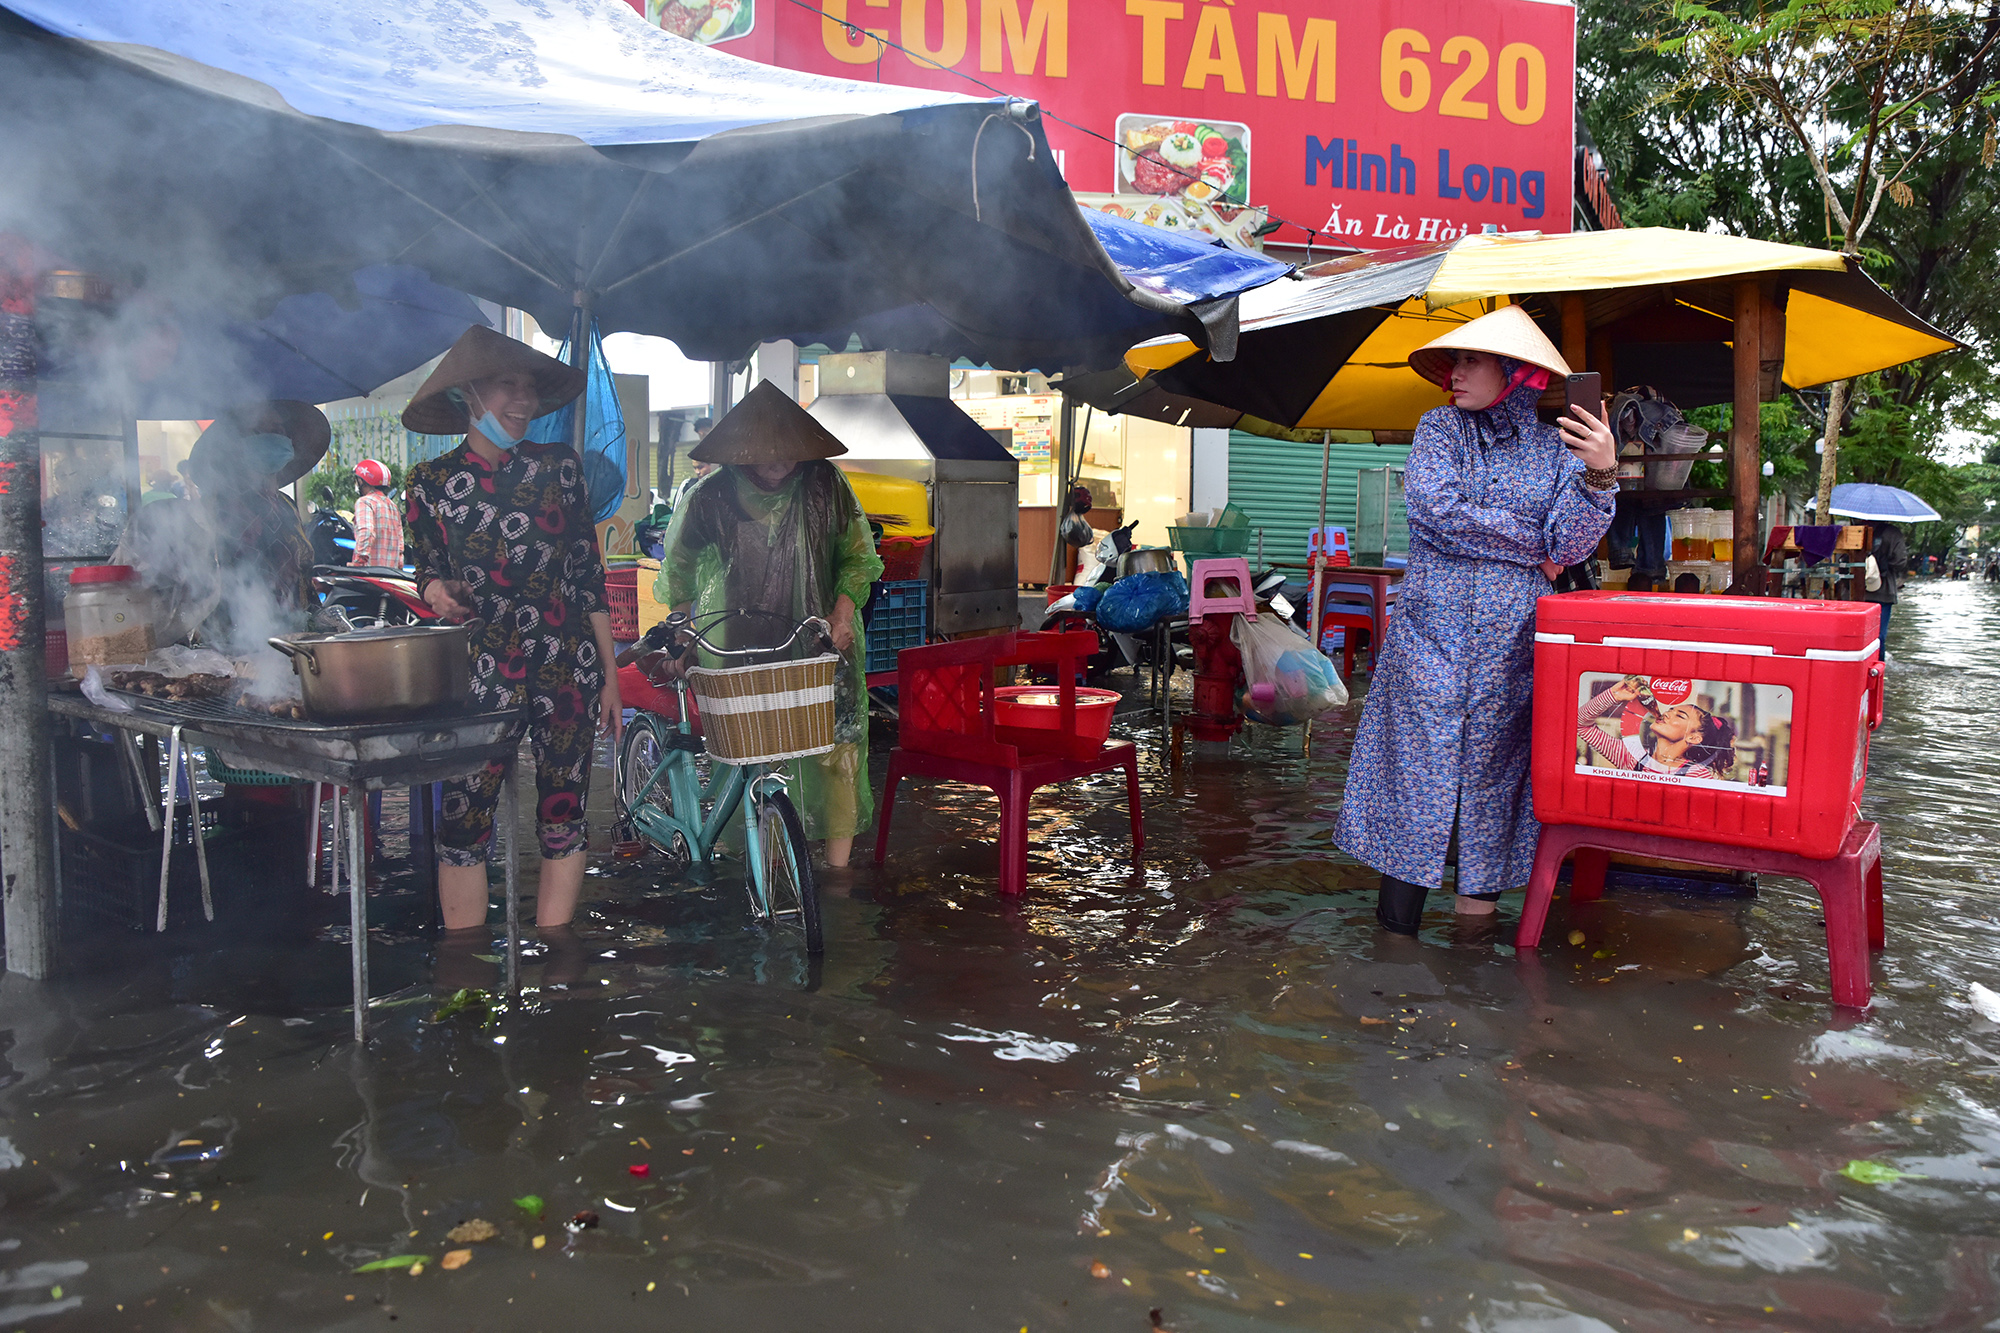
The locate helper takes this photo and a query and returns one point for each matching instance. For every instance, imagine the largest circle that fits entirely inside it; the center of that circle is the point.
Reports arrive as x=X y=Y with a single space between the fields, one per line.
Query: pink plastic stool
x=1225 y=567
x=1849 y=885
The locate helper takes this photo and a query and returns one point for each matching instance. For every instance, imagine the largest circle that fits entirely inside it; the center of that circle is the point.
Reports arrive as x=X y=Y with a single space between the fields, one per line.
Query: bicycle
x=666 y=799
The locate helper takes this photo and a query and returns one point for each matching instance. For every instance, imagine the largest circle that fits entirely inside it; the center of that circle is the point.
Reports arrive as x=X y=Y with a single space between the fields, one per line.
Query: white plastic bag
x=1286 y=682
x=1871 y=578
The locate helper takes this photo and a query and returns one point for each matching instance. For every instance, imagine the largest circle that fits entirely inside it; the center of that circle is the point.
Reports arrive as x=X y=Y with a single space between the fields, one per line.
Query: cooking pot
x=383 y=673
x=1146 y=560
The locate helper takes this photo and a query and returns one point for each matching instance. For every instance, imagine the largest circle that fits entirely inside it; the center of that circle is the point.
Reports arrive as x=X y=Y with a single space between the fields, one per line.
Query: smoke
x=253 y=617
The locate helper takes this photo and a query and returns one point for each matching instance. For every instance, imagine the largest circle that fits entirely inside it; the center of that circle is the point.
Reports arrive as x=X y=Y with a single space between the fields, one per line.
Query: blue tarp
x=530 y=152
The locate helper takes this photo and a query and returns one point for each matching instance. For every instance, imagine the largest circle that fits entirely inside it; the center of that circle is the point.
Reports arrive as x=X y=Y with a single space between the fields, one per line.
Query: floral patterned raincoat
x=1444 y=735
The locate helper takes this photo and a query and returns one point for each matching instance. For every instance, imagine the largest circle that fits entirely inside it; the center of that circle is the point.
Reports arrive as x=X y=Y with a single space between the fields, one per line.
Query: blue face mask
x=489 y=426
x=267 y=453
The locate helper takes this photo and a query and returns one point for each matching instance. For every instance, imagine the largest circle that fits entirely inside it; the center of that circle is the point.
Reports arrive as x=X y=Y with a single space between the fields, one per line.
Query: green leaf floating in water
x=471 y=1000
x=1875 y=1173
x=393 y=1261
x=531 y=1204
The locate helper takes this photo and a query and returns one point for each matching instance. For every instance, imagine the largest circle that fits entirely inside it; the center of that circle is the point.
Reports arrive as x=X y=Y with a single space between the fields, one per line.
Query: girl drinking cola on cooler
x=1683 y=741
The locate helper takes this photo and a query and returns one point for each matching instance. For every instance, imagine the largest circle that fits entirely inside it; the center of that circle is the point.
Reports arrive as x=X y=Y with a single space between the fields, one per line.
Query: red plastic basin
x=1039 y=708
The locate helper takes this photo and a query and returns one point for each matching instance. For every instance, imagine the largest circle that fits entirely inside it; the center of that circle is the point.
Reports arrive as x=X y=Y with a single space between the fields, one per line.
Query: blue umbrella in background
x=311 y=347
x=1879 y=504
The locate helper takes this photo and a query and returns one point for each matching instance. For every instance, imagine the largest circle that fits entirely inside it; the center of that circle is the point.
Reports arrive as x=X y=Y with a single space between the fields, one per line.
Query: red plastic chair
x=946 y=729
x=1849 y=885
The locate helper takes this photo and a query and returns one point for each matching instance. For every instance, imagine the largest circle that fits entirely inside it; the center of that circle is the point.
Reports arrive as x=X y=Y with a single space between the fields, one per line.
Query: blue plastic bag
x=1086 y=599
x=1138 y=602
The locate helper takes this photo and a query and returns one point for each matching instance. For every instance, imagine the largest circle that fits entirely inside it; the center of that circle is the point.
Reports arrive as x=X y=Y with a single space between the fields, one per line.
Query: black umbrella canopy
x=947 y=225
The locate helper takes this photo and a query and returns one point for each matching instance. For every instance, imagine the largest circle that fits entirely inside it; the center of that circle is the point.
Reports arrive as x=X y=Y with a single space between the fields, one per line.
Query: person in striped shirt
x=378 y=524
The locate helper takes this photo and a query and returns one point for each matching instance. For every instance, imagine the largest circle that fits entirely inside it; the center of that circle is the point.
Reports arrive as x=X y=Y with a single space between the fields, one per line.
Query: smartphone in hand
x=1584 y=390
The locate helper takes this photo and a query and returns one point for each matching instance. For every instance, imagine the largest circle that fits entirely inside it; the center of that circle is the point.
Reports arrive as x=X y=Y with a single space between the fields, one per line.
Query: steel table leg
x=510 y=811
x=200 y=843
x=312 y=842
x=147 y=789
x=167 y=822
x=357 y=892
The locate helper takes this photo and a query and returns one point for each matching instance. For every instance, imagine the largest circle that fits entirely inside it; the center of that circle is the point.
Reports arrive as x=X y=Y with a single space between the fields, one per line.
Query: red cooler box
x=1735 y=720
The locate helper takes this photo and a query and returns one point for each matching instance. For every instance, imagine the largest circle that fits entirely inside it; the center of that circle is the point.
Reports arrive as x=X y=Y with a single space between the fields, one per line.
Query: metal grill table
x=361 y=758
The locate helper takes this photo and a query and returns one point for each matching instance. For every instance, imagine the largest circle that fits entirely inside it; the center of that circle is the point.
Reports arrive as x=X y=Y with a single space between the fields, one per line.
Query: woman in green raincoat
x=776 y=528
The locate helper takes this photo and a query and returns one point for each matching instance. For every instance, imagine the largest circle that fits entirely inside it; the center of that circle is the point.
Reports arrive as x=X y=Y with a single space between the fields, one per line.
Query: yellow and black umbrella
x=1329 y=350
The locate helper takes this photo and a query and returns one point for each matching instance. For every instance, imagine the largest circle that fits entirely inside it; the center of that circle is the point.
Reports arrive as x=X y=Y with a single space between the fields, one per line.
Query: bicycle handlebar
x=685 y=633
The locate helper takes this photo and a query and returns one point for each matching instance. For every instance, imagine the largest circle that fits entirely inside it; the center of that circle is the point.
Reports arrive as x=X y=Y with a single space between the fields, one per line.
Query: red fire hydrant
x=1218 y=678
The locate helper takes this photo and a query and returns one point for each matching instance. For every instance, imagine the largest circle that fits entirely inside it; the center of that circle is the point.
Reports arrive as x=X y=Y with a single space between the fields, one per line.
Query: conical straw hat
x=767 y=427
x=1506 y=332
x=301 y=423
x=481 y=352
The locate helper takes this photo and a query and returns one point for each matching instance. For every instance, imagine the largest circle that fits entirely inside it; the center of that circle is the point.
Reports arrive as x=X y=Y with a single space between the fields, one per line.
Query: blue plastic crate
x=898 y=622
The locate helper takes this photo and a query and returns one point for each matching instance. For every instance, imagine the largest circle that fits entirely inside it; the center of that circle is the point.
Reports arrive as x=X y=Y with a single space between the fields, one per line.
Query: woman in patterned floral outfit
x=500 y=531
x=1499 y=503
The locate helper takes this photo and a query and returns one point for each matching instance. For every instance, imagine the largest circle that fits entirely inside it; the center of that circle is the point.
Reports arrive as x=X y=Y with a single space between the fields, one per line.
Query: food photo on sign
x=1206 y=162
x=704 y=21
x=1724 y=735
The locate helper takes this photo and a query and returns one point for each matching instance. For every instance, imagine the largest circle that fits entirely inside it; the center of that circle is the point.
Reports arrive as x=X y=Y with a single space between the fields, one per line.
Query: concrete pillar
x=27 y=803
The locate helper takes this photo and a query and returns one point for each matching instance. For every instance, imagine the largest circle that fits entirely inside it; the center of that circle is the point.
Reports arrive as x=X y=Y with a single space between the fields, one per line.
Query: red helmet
x=372 y=473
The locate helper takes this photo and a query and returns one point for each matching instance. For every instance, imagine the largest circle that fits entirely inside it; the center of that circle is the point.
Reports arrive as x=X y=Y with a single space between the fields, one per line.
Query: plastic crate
x=111 y=868
x=55 y=652
x=621 y=599
x=1210 y=541
x=902 y=558
x=899 y=621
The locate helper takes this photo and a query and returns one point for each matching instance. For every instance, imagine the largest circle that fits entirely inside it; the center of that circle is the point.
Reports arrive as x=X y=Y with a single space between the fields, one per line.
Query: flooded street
x=1206 y=1095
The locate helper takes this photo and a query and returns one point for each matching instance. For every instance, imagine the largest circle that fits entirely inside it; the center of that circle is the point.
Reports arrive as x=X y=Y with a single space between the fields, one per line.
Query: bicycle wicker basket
x=762 y=714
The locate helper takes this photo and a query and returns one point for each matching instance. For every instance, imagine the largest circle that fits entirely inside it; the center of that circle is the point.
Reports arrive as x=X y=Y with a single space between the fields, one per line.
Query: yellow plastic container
x=901 y=506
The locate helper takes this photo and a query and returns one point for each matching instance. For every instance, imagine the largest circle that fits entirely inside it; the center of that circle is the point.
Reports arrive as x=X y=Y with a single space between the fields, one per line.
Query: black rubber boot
x=1399 y=905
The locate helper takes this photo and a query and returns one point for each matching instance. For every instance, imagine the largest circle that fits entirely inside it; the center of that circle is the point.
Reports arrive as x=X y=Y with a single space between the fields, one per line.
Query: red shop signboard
x=1381 y=122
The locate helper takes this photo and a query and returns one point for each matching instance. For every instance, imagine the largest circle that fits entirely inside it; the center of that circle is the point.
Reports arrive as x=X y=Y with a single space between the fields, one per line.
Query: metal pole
x=27 y=807
x=1065 y=437
x=1319 y=553
x=357 y=906
x=510 y=818
x=579 y=356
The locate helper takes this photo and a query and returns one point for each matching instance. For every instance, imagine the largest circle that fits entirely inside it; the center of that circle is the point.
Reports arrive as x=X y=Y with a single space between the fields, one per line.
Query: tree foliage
x=1754 y=117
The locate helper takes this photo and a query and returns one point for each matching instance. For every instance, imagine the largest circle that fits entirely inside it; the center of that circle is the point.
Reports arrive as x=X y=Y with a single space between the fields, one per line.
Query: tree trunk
x=1829 y=463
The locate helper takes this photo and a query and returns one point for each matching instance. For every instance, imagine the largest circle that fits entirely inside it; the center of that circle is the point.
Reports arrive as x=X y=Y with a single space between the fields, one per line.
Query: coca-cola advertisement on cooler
x=1720 y=734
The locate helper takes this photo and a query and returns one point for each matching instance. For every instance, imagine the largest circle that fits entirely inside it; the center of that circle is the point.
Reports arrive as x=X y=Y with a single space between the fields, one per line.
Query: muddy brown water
x=1203 y=1095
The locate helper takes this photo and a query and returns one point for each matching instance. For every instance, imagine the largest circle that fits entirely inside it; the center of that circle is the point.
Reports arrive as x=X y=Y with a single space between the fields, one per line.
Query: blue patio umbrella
x=1879 y=504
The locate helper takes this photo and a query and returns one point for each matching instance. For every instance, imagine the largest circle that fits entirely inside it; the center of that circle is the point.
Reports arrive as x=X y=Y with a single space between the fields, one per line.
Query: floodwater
x=1203 y=1095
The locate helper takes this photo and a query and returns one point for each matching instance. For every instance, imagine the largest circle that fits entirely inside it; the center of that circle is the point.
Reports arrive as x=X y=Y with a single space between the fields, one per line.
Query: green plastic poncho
x=793 y=551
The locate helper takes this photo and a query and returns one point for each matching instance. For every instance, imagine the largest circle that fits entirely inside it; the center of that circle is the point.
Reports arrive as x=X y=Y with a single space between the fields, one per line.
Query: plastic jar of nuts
x=108 y=616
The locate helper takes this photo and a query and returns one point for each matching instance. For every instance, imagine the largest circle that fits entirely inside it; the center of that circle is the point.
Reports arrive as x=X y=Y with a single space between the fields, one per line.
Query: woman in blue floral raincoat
x=1498 y=504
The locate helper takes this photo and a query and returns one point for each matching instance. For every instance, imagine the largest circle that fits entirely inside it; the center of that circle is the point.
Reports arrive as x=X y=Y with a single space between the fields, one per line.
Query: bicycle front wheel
x=639 y=784
x=791 y=898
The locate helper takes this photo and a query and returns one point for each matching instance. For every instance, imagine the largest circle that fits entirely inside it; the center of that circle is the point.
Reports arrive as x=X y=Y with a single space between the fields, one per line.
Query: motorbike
x=371 y=596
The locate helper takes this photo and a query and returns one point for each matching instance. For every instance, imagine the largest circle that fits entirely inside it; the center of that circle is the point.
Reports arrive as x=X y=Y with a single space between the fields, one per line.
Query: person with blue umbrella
x=1886 y=507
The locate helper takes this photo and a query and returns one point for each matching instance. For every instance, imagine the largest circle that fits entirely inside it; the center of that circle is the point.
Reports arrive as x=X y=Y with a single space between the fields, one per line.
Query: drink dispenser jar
x=1735 y=720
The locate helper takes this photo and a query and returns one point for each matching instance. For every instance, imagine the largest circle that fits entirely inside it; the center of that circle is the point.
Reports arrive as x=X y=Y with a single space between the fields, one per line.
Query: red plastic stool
x=1849 y=886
